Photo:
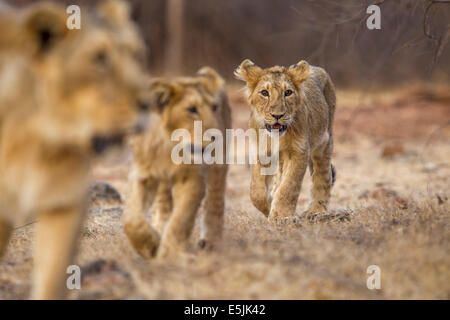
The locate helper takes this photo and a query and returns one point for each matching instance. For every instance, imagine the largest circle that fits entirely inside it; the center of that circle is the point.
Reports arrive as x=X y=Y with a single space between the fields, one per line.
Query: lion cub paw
x=172 y=253
x=147 y=247
x=278 y=221
x=144 y=239
x=169 y=250
x=315 y=211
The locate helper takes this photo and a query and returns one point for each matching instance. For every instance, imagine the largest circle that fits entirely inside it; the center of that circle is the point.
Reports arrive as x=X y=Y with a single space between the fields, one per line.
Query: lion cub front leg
x=212 y=220
x=258 y=190
x=142 y=236
x=163 y=208
x=188 y=192
x=5 y=232
x=287 y=192
x=322 y=181
x=57 y=232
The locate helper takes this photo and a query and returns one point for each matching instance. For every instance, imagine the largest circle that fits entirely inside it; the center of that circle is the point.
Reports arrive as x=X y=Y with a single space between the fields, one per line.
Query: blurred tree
x=175 y=35
x=412 y=45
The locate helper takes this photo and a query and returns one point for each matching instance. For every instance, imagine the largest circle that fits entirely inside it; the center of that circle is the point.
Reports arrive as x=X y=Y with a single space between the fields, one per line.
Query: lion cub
x=299 y=103
x=178 y=188
x=65 y=95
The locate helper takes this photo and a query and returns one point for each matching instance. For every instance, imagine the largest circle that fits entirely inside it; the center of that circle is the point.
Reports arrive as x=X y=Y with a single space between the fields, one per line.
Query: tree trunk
x=174 y=45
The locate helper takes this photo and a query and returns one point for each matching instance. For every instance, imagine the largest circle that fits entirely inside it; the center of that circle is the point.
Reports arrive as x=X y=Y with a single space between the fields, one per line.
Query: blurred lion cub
x=178 y=188
x=65 y=95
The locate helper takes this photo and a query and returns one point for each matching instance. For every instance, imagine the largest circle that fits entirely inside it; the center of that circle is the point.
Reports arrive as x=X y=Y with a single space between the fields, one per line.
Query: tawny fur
x=69 y=86
x=177 y=189
x=307 y=110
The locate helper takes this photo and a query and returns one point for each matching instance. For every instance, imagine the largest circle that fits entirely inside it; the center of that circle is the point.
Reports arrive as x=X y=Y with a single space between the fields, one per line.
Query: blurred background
x=412 y=45
x=392 y=151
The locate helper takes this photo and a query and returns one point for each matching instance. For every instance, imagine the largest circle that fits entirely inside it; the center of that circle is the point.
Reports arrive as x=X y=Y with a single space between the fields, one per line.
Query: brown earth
x=392 y=156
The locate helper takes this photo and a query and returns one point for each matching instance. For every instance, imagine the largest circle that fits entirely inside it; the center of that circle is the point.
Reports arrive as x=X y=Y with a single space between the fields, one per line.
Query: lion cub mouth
x=276 y=127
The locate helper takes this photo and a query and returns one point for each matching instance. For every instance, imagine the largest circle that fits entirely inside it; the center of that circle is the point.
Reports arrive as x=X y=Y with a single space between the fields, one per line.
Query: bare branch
x=425 y=18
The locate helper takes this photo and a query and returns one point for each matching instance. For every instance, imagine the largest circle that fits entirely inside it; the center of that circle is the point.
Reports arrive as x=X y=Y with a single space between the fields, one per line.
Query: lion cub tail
x=333 y=175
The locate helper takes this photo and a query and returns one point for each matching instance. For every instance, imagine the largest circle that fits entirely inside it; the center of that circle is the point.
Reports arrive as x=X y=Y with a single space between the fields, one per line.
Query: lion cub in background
x=177 y=190
x=65 y=95
x=299 y=103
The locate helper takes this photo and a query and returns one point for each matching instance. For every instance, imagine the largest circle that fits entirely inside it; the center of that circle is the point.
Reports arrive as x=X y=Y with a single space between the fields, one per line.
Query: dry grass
x=400 y=221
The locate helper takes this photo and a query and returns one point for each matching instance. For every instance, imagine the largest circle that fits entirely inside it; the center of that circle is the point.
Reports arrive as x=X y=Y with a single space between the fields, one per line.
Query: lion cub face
x=274 y=93
x=182 y=101
x=90 y=78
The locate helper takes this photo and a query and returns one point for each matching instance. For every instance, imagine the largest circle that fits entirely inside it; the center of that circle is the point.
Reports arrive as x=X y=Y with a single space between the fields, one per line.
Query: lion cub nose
x=277 y=116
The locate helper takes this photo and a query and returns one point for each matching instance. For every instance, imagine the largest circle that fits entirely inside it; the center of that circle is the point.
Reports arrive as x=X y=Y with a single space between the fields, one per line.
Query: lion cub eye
x=215 y=107
x=192 y=109
x=288 y=92
x=265 y=93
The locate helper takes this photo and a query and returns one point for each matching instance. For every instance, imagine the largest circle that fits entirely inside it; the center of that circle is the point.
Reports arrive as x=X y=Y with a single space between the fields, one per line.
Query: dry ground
x=392 y=156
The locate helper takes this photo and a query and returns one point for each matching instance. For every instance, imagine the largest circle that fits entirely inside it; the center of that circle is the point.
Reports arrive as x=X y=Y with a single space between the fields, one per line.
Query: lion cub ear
x=210 y=80
x=44 y=25
x=248 y=72
x=116 y=12
x=299 y=72
x=160 y=94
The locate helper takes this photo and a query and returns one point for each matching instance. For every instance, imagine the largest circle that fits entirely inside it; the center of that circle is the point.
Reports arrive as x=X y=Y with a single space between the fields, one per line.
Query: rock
x=99 y=267
x=104 y=279
x=392 y=149
x=385 y=194
x=402 y=203
x=101 y=193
